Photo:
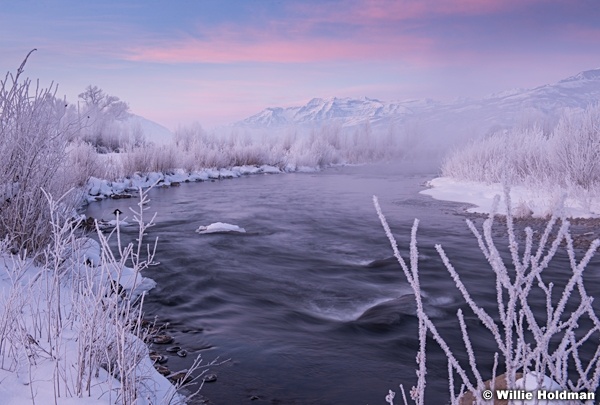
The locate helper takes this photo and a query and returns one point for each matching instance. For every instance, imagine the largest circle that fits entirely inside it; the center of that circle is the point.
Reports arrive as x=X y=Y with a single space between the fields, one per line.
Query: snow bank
x=524 y=201
x=98 y=189
x=43 y=370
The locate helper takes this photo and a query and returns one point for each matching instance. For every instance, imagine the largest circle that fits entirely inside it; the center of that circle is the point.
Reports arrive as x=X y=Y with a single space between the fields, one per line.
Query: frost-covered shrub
x=150 y=158
x=556 y=341
x=516 y=156
x=287 y=147
x=33 y=139
x=193 y=148
x=568 y=157
x=85 y=162
x=576 y=148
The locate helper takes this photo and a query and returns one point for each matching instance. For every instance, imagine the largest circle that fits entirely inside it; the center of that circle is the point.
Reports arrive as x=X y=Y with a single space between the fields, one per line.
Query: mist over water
x=308 y=304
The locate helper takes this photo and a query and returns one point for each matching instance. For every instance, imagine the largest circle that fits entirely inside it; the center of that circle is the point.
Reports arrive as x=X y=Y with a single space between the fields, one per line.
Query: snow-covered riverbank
x=57 y=323
x=525 y=201
x=98 y=189
x=71 y=329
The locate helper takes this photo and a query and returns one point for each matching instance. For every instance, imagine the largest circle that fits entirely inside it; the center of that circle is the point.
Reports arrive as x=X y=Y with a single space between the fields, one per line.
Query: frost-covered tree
x=101 y=115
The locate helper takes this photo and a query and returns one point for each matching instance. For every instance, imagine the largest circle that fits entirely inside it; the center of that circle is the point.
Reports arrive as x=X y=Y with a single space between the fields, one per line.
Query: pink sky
x=218 y=62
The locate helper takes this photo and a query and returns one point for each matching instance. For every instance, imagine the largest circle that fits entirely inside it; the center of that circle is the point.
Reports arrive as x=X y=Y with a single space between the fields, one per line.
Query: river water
x=284 y=301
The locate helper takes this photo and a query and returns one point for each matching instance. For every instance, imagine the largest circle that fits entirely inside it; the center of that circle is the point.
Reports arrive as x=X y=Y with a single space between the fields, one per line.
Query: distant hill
x=153 y=132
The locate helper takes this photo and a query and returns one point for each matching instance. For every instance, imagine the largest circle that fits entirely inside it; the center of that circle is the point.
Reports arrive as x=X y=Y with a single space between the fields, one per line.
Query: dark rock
x=173 y=349
x=162 y=370
x=180 y=377
x=162 y=340
x=210 y=378
x=158 y=358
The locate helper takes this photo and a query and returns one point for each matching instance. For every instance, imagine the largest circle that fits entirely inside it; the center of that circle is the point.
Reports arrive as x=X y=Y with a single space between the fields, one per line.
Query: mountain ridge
x=503 y=108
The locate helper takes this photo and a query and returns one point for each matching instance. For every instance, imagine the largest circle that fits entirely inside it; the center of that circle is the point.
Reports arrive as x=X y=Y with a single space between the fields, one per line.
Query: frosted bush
x=33 y=141
x=287 y=147
x=85 y=162
x=568 y=157
x=541 y=342
x=576 y=147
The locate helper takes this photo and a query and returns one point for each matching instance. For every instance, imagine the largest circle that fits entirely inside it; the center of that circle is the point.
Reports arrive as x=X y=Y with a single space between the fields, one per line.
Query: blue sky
x=218 y=61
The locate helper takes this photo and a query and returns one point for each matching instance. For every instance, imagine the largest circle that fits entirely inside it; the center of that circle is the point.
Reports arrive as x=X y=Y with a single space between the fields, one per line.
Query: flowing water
x=284 y=301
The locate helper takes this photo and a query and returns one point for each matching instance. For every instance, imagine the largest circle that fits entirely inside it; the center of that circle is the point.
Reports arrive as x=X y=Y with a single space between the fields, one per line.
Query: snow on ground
x=524 y=201
x=45 y=324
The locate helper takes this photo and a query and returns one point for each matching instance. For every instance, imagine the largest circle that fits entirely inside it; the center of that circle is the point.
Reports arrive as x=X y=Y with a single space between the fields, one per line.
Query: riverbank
x=98 y=189
x=67 y=336
x=525 y=202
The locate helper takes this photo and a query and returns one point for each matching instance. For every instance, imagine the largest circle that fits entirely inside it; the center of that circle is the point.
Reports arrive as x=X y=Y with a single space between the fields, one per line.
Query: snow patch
x=219 y=227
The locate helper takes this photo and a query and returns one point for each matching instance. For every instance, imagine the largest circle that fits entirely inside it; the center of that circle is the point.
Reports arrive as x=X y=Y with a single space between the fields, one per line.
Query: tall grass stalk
x=535 y=341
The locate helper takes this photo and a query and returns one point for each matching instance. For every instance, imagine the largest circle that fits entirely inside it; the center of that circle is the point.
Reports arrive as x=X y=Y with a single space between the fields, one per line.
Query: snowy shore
x=525 y=202
x=56 y=320
x=98 y=189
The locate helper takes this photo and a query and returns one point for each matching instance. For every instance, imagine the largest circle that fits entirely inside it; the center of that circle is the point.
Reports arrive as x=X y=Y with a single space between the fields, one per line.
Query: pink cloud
x=246 y=47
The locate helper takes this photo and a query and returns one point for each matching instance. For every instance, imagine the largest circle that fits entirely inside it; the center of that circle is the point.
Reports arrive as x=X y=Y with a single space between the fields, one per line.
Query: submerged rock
x=210 y=378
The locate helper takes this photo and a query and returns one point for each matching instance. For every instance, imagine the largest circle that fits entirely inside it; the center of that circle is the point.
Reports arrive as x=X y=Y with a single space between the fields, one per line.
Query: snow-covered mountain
x=346 y=111
x=496 y=110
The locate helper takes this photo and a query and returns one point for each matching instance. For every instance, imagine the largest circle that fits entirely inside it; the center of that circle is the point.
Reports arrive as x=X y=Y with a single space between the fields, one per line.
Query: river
x=283 y=300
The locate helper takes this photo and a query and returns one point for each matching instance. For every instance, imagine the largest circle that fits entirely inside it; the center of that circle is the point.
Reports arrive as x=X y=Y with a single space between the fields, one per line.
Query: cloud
x=408 y=31
x=247 y=46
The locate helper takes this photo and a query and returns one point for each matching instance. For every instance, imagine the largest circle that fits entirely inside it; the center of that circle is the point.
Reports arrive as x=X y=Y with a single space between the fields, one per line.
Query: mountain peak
x=593 y=74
